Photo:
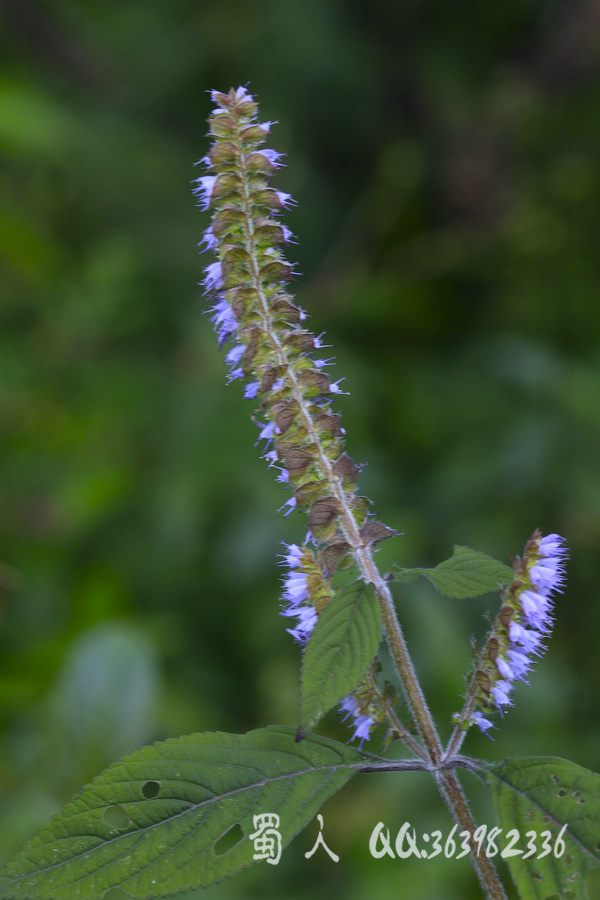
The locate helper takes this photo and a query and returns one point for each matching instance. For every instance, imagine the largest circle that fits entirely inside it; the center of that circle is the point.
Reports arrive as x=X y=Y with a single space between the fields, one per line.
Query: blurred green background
x=445 y=162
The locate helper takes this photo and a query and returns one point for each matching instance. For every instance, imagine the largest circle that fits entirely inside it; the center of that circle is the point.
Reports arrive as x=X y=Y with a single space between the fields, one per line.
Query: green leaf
x=408 y=574
x=152 y=823
x=467 y=574
x=341 y=648
x=545 y=793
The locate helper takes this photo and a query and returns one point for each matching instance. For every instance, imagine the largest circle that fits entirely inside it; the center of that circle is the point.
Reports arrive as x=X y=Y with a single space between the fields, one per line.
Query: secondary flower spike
x=522 y=625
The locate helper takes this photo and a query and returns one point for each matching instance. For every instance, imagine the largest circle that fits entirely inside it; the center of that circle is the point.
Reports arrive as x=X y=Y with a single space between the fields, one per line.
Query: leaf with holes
x=178 y=815
x=466 y=575
x=341 y=648
x=543 y=794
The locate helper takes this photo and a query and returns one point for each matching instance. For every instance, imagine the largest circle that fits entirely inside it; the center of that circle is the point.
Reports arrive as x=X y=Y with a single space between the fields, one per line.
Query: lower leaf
x=178 y=815
x=538 y=797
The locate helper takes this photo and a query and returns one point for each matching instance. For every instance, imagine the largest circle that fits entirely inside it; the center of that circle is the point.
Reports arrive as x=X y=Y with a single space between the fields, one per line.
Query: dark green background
x=445 y=162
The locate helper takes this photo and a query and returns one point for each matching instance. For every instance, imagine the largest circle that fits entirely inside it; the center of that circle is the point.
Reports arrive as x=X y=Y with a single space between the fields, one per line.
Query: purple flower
x=520 y=664
x=291 y=503
x=224 y=320
x=500 y=693
x=271 y=457
x=349 y=706
x=552 y=545
x=272 y=155
x=362 y=722
x=296 y=594
x=267 y=431
x=362 y=728
x=206 y=186
x=251 y=390
x=504 y=668
x=308 y=620
x=483 y=724
x=213 y=276
x=209 y=239
x=524 y=640
x=547 y=575
x=293 y=557
x=285 y=200
x=535 y=609
x=295 y=589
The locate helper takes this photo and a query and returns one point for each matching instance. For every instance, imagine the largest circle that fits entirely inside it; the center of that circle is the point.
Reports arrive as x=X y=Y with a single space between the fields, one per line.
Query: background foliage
x=444 y=159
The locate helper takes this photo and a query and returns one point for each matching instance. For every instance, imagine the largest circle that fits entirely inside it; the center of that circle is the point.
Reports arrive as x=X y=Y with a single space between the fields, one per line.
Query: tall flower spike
x=271 y=349
x=517 y=635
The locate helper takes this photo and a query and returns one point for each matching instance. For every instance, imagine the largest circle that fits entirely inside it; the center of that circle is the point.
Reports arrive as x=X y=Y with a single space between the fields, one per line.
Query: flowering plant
x=182 y=813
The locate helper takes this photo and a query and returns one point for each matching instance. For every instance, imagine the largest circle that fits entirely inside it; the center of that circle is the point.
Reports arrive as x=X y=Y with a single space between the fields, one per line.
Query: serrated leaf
x=467 y=574
x=545 y=793
x=408 y=574
x=339 y=651
x=151 y=824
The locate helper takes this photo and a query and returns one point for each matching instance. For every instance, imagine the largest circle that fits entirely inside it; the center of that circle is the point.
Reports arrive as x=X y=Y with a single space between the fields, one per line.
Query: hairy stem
x=451 y=790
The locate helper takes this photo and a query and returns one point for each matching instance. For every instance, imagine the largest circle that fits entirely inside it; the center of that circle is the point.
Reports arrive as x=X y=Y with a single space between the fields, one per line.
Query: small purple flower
x=213 y=276
x=206 y=186
x=362 y=722
x=273 y=156
x=285 y=200
x=520 y=664
x=524 y=640
x=293 y=557
x=251 y=390
x=319 y=363
x=224 y=321
x=500 y=693
x=349 y=706
x=552 y=545
x=535 y=609
x=241 y=93
x=295 y=588
x=483 y=724
x=308 y=620
x=209 y=239
x=296 y=595
x=362 y=729
x=291 y=503
x=271 y=457
x=267 y=431
x=505 y=669
x=547 y=575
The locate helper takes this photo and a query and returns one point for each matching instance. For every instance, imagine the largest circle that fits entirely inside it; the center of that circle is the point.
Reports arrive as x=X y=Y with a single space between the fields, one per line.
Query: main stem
x=447 y=782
